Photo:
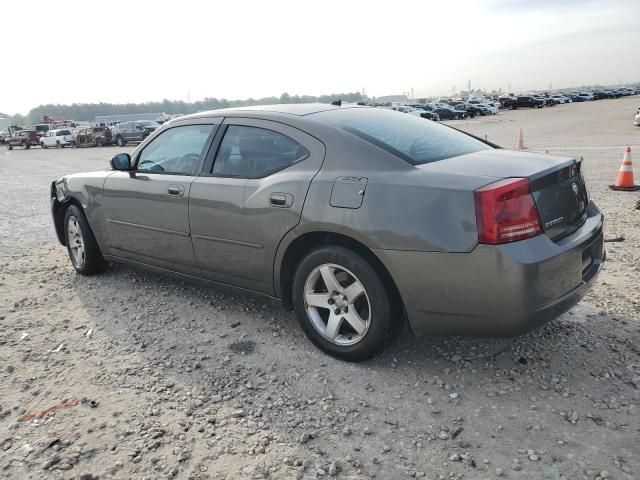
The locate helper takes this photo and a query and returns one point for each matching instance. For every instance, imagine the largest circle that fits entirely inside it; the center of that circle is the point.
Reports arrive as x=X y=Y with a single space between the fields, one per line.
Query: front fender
x=84 y=190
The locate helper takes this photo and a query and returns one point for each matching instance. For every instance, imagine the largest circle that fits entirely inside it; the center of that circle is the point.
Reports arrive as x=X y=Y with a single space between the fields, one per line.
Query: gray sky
x=136 y=51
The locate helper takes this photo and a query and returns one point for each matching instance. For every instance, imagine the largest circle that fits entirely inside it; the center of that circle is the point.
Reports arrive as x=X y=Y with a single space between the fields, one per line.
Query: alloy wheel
x=337 y=304
x=75 y=241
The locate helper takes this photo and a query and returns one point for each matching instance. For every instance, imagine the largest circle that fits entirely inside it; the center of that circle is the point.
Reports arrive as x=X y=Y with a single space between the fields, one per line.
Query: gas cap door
x=348 y=192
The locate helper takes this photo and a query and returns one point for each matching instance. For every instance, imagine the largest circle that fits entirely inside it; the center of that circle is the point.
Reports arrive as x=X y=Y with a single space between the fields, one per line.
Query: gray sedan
x=359 y=219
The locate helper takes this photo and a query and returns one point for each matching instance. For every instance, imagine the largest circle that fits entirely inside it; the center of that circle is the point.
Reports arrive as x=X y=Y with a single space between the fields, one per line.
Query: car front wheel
x=83 y=249
x=342 y=304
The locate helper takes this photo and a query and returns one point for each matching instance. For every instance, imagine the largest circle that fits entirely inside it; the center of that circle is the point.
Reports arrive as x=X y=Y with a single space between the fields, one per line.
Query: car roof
x=299 y=109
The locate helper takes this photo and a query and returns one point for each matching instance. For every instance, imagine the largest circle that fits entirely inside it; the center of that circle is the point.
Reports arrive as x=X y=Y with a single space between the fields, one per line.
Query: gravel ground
x=155 y=378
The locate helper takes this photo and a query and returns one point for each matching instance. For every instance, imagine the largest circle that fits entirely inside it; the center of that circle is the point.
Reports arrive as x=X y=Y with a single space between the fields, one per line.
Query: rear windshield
x=412 y=138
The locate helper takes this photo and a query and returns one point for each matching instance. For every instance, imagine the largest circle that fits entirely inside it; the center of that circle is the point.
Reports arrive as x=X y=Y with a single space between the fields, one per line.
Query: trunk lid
x=561 y=198
x=557 y=183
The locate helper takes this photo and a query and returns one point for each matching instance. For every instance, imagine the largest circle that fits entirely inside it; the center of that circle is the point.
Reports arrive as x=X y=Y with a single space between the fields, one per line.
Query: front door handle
x=281 y=200
x=176 y=190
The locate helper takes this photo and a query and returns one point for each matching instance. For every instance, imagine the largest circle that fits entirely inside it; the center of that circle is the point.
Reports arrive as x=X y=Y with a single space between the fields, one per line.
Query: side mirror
x=121 y=161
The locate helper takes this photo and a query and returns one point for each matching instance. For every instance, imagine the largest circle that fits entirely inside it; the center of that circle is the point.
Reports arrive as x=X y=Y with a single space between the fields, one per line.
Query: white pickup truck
x=56 y=138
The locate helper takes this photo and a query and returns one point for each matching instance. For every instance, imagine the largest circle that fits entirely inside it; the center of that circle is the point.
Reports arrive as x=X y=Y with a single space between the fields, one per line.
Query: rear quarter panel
x=404 y=207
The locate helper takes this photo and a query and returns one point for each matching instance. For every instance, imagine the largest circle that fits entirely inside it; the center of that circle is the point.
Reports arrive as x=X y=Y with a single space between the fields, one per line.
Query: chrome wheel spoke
x=329 y=278
x=353 y=291
x=319 y=300
x=355 y=321
x=333 y=326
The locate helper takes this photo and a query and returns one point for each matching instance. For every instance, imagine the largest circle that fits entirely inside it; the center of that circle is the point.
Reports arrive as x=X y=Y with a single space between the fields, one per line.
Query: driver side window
x=176 y=150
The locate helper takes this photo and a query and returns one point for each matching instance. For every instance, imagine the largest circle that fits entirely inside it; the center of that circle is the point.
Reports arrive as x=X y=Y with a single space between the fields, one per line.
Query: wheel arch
x=299 y=246
x=58 y=210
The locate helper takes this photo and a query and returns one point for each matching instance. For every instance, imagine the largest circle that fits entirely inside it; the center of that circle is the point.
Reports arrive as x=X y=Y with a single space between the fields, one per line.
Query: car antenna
x=337 y=103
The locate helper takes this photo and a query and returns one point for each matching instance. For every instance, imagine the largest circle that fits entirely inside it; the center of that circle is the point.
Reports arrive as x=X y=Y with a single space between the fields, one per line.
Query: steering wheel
x=189 y=159
x=149 y=166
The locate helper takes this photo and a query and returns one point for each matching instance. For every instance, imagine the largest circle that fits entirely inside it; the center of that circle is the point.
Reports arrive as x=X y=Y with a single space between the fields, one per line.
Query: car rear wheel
x=58 y=145
x=120 y=141
x=81 y=244
x=43 y=145
x=342 y=304
x=9 y=146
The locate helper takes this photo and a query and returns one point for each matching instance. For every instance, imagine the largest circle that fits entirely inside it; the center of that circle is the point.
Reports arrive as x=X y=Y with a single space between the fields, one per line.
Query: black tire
x=58 y=145
x=9 y=146
x=120 y=141
x=43 y=145
x=379 y=330
x=92 y=261
x=26 y=146
x=98 y=143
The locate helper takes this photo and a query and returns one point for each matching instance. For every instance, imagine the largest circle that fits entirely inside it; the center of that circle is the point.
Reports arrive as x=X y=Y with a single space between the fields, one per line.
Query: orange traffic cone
x=520 y=142
x=625 y=175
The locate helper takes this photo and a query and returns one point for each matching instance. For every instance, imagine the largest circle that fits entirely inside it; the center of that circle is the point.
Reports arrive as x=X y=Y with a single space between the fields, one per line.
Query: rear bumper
x=499 y=290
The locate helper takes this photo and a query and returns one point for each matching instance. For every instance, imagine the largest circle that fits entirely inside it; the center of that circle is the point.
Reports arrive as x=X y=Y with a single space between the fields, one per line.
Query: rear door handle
x=281 y=200
x=176 y=190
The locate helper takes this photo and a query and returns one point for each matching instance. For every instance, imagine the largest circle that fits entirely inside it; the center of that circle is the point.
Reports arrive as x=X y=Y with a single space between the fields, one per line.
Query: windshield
x=414 y=139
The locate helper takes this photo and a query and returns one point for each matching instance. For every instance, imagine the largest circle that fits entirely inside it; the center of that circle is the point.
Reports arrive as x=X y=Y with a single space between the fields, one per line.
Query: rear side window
x=63 y=132
x=410 y=137
x=251 y=152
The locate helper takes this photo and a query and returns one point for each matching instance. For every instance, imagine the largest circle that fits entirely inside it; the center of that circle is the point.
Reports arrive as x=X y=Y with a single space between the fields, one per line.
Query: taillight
x=506 y=212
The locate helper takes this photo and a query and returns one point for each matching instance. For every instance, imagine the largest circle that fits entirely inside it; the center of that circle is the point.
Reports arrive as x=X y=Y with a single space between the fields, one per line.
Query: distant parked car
x=416 y=111
x=23 y=138
x=561 y=98
x=548 y=100
x=486 y=105
x=447 y=113
x=472 y=110
x=506 y=101
x=429 y=115
x=93 y=137
x=408 y=109
x=56 y=138
x=135 y=131
x=526 y=101
x=586 y=96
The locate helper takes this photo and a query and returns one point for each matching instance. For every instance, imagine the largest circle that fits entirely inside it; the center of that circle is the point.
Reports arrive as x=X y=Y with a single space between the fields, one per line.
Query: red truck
x=21 y=137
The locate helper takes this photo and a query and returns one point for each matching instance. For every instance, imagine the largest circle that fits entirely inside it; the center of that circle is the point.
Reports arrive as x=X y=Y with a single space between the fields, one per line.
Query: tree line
x=88 y=111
